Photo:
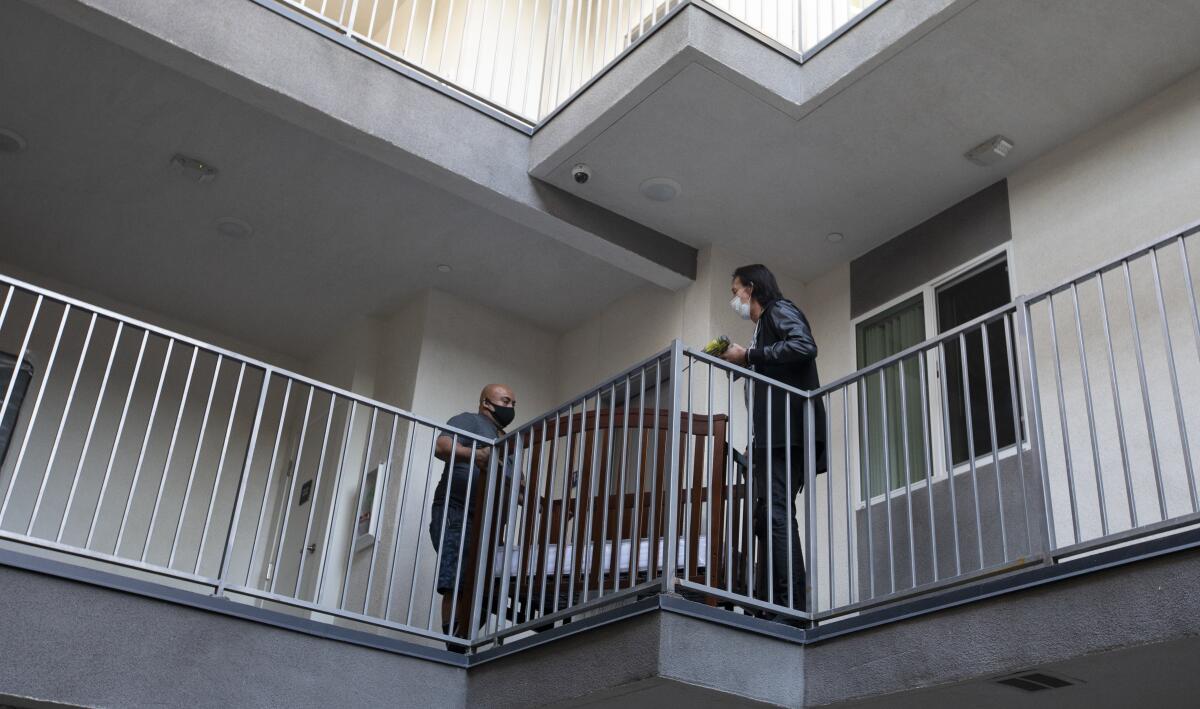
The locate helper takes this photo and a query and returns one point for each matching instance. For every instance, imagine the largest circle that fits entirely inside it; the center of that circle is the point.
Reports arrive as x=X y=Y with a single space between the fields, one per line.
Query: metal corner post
x=671 y=526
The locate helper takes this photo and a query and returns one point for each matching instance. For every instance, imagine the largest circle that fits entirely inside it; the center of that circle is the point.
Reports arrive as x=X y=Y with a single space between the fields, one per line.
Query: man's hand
x=736 y=354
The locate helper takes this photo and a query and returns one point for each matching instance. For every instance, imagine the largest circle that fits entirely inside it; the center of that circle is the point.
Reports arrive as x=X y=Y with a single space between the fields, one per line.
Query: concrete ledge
x=77 y=644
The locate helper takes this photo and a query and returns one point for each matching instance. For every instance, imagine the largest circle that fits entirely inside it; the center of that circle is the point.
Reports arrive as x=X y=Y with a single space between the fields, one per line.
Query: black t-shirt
x=465 y=468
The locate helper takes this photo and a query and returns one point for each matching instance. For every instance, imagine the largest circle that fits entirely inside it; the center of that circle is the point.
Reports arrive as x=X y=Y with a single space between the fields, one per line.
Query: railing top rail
x=917 y=348
x=743 y=372
x=1153 y=245
x=267 y=368
x=610 y=382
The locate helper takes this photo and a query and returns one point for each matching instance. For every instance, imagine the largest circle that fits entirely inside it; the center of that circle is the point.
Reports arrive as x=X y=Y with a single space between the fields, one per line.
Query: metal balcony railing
x=1048 y=428
x=529 y=57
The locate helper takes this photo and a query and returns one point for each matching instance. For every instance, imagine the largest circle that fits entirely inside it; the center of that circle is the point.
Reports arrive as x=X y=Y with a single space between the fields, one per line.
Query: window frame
x=928 y=291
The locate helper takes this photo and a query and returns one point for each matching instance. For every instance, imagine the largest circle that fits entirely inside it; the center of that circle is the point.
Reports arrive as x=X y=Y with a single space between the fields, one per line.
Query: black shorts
x=452 y=566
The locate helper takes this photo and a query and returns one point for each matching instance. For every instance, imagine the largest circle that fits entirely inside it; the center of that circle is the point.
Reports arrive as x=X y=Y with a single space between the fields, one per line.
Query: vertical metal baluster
x=529 y=63
x=652 y=539
x=579 y=544
x=729 y=487
x=810 y=470
x=865 y=428
x=887 y=479
x=408 y=32
x=1116 y=392
x=37 y=405
x=428 y=32
x=262 y=508
x=462 y=42
x=62 y=421
x=187 y=494
x=912 y=542
x=412 y=587
x=1137 y=349
x=486 y=553
x=287 y=500
x=671 y=544
x=491 y=83
x=564 y=503
x=635 y=536
x=1091 y=416
x=750 y=532
x=609 y=464
x=383 y=493
x=162 y=481
x=574 y=47
x=1062 y=417
x=362 y=482
x=790 y=501
x=851 y=548
x=770 y=485
x=583 y=40
x=312 y=502
x=1017 y=432
x=512 y=57
x=462 y=544
x=944 y=388
x=966 y=382
x=511 y=533
x=710 y=442
x=371 y=22
x=621 y=497
x=327 y=540
x=87 y=439
x=212 y=499
x=589 y=551
x=462 y=540
x=12 y=381
x=441 y=545
x=542 y=517
x=445 y=39
x=686 y=480
x=4 y=309
x=1180 y=417
x=387 y=42
x=827 y=400
x=927 y=455
x=991 y=403
x=240 y=493
x=1191 y=292
x=521 y=538
x=137 y=469
x=406 y=478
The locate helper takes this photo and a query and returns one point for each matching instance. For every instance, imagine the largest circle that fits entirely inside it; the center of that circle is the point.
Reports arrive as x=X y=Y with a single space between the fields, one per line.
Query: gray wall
x=1023 y=540
x=930 y=249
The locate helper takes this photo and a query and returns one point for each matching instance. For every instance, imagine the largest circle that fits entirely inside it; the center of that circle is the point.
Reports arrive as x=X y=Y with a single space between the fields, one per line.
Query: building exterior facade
x=256 y=253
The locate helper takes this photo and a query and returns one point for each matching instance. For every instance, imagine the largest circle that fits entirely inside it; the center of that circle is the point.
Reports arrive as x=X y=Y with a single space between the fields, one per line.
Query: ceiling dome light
x=11 y=142
x=444 y=268
x=234 y=228
x=835 y=237
x=660 y=189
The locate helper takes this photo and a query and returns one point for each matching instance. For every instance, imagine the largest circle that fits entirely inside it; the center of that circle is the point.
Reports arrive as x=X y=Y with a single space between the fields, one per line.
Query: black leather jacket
x=785 y=351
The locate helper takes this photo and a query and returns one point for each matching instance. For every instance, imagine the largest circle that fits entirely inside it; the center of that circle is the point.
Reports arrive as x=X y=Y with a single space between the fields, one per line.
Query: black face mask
x=504 y=415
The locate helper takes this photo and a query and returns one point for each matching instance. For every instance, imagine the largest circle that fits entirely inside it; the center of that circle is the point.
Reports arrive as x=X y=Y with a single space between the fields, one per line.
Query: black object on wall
x=8 y=423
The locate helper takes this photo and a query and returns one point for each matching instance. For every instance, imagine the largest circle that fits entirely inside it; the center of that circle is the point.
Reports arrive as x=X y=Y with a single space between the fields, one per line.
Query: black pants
x=775 y=529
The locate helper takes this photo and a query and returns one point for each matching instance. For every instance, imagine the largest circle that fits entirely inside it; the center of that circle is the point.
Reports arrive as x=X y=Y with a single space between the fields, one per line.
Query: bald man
x=497 y=409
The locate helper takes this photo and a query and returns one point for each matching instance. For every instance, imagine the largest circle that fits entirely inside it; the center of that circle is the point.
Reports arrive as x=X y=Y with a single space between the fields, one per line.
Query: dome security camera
x=581 y=173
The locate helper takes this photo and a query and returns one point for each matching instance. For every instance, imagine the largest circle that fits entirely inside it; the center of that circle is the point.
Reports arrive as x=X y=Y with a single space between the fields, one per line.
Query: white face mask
x=742 y=309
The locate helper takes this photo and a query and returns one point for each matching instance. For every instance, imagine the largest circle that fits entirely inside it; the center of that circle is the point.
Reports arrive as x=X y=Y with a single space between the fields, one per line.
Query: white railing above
x=529 y=57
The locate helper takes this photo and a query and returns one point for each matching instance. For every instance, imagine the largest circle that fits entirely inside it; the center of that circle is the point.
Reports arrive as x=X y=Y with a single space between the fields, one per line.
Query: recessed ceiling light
x=834 y=238
x=444 y=268
x=234 y=228
x=11 y=142
x=193 y=168
x=990 y=151
x=660 y=189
